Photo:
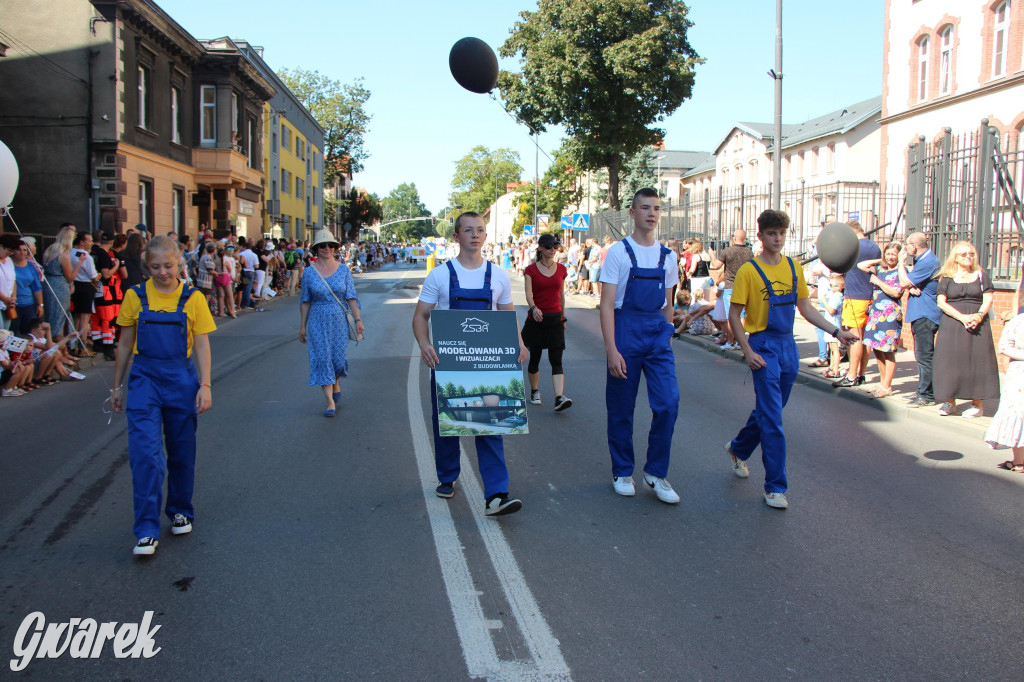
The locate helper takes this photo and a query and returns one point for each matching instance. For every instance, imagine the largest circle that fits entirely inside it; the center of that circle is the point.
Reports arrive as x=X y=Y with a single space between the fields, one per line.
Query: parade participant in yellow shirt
x=162 y=321
x=771 y=288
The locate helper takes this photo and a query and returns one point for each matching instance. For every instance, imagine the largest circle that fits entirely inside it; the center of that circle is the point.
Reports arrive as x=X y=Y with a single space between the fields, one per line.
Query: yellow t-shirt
x=200 y=321
x=750 y=290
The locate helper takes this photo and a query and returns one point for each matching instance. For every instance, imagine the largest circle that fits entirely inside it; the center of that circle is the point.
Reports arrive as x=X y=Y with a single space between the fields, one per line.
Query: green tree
x=481 y=174
x=515 y=388
x=638 y=171
x=561 y=186
x=449 y=390
x=404 y=202
x=359 y=209
x=339 y=109
x=606 y=70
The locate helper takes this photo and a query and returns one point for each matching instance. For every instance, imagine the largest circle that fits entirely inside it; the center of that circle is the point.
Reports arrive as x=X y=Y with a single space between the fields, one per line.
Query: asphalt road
x=320 y=552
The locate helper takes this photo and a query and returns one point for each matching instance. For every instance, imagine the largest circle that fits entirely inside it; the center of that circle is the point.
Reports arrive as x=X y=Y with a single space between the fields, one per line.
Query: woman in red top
x=545 y=323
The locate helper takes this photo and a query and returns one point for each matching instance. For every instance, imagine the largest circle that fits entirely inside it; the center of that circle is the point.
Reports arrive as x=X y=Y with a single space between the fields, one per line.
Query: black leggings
x=554 y=357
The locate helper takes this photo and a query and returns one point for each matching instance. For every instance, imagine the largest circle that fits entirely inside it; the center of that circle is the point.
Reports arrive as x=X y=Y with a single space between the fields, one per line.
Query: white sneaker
x=776 y=500
x=145 y=547
x=739 y=467
x=947 y=408
x=662 y=488
x=624 y=486
x=971 y=412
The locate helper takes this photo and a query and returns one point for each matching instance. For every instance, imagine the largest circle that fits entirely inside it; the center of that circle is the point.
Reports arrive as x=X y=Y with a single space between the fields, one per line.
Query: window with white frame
x=178 y=210
x=830 y=157
x=922 y=68
x=144 y=96
x=787 y=166
x=286 y=137
x=753 y=173
x=285 y=182
x=234 y=113
x=814 y=160
x=738 y=178
x=946 y=60
x=1000 y=36
x=208 y=106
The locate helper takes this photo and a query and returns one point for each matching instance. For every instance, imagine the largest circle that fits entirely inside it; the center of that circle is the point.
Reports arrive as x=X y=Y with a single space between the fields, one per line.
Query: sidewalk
x=904 y=383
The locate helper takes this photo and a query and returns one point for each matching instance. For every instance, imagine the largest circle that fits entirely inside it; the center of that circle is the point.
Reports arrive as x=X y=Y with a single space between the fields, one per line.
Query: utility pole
x=777 y=145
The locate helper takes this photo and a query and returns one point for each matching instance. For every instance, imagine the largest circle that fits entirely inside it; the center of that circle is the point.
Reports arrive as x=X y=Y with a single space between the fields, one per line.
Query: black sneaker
x=181 y=525
x=847 y=382
x=562 y=403
x=500 y=504
x=445 y=490
x=535 y=397
x=145 y=546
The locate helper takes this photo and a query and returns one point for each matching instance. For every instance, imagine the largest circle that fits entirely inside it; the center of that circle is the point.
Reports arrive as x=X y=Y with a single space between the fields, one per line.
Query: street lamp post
x=776 y=75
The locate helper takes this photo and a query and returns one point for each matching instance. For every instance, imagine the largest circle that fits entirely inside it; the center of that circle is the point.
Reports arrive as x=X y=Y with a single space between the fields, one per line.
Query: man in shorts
x=856 y=301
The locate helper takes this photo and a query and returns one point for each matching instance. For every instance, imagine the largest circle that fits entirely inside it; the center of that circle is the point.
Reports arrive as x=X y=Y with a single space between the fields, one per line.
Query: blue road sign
x=528 y=229
x=431 y=247
x=567 y=222
x=581 y=221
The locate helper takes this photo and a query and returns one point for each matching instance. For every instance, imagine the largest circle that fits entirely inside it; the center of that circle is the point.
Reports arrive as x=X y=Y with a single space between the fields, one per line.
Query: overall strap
x=771 y=290
x=629 y=252
x=664 y=253
x=140 y=290
x=453 y=279
x=792 y=271
x=186 y=292
x=487 y=276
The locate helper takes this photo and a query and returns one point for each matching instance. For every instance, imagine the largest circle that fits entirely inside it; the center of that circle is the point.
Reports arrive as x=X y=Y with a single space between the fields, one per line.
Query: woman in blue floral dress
x=885 y=314
x=323 y=325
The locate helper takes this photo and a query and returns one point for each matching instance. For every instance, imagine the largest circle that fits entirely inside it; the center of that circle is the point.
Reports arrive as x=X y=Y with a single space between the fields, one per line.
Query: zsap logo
x=83 y=638
x=472 y=324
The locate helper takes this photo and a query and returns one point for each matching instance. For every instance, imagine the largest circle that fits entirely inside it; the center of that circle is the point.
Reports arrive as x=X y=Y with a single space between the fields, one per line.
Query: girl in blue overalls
x=470 y=234
x=637 y=333
x=162 y=320
x=770 y=350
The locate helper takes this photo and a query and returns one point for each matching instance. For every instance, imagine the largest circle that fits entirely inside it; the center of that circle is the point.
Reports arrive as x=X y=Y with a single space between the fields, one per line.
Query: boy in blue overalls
x=636 y=323
x=467 y=282
x=771 y=288
x=162 y=321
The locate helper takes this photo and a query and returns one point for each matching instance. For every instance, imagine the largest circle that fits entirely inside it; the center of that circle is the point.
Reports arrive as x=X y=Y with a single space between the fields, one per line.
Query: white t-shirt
x=7 y=278
x=249 y=260
x=435 y=286
x=617 y=264
x=87 y=272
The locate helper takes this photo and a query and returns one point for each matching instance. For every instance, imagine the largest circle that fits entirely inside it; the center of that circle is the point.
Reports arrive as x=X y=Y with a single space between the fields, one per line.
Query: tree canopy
x=359 y=209
x=338 y=108
x=404 y=202
x=480 y=174
x=606 y=70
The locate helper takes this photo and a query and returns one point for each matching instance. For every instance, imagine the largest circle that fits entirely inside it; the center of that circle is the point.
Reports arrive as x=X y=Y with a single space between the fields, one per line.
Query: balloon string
x=6 y=212
x=533 y=131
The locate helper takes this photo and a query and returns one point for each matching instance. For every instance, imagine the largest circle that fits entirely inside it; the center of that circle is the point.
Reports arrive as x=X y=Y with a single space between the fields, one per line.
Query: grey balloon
x=838 y=247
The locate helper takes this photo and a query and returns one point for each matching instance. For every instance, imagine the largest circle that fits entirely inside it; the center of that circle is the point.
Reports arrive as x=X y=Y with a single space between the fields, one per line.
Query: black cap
x=548 y=239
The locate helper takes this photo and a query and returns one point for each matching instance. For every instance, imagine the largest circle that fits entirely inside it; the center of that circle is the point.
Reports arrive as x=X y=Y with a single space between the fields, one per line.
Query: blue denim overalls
x=161 y=408
x=490 y=451
x=644 y=339
x=772 y=385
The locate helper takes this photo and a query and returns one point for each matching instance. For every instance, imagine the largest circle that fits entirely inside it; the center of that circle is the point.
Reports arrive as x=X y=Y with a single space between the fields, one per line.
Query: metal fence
x=716 y=214
x=965 y=187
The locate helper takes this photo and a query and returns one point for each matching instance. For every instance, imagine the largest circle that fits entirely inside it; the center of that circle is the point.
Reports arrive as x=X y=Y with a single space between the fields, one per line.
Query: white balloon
x=8 y=176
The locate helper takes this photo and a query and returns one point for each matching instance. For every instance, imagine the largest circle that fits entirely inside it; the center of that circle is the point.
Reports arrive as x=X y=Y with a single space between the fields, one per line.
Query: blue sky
x=423 y=121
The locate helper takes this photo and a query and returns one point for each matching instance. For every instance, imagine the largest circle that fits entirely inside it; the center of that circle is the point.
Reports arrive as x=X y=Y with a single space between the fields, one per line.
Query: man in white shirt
x=249 y=262
x=9 y=243
x=467 y=282
x=638 y=275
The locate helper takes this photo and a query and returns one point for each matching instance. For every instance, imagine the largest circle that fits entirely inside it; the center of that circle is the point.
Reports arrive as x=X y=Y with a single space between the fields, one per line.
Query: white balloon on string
x=8 y=176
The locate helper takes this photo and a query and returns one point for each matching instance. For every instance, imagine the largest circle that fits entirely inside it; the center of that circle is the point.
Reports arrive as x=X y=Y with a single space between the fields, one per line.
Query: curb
x=893 y=408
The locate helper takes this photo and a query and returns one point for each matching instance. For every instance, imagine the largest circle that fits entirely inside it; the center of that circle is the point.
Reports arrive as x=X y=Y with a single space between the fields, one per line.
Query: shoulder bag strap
x=343 y=306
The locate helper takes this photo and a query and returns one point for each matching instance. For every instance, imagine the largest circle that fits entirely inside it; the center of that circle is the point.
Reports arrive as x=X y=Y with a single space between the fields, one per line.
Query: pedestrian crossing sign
x=581 y=221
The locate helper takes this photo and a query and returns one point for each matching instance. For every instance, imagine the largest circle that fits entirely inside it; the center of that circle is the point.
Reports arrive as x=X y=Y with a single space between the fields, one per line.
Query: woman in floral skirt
x=885 y=314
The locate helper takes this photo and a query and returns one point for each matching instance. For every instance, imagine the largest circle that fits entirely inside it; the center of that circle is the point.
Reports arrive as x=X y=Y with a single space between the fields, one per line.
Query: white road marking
x=473 y=628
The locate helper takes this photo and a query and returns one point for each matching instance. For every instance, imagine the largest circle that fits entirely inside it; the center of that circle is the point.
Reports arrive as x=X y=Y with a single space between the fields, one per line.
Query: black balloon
x=474 y=65
x=838 y=247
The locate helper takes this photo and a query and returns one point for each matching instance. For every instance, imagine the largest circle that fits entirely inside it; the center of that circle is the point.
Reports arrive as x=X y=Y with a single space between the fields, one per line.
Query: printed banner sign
x=480 y=389
x=542 y=222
